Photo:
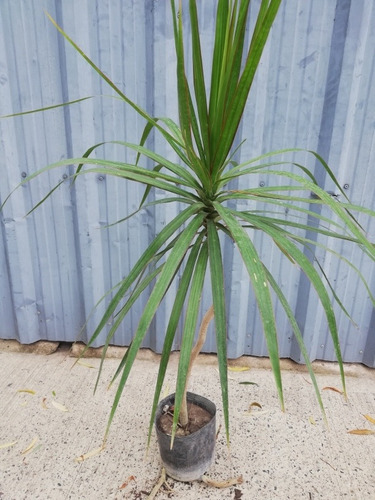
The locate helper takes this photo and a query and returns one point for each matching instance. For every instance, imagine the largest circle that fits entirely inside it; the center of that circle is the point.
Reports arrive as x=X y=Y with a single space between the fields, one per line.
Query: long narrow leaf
x=222 y=19
x=186 y=178
x=137 y=108
x=340 y=209
x=238 y=102
x=199 y=82
x=184 y=102
x=188 y=333
x=157 y=257
x=230 y=69
x=316 y=281
x=289 y=207
x=172 y=326
x=172 y=264
x=218 y=297
x=297 y=334
x=141 y=264
x=121 y=315
x=260 y=286
x=46 y=108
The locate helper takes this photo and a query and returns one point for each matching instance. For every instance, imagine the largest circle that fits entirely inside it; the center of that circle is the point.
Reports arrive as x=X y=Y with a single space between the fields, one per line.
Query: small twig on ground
x=205 y=479
x=325 y=461
x=222 y=484
x=218 y=432
x=158 y=485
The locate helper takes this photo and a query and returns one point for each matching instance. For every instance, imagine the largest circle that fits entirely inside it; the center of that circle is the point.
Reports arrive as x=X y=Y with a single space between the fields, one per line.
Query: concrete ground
x=49 y=419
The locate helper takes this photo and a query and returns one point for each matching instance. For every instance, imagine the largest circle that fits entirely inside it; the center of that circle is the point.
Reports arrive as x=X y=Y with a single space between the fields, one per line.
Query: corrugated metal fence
x=314 y=89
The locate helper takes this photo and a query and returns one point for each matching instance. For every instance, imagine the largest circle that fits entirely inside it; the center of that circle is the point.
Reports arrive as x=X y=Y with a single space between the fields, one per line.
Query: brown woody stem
x=184 y=418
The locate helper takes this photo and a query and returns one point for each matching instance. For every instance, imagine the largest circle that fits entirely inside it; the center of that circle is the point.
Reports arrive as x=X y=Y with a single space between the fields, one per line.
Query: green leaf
x=184 y=102
x=171 y=140
x=341 y=210
x=188 y=333
x=260 y=286
x=172 y=326
x=222 y=21
x=46 y=108
x=181 y=172
x=218 y=296
x=238 y=102
x=173 y=167
x=306 y=266
x=120 y=317
x=230 y=68
x=199 y=83
x=141 y=265
x=170 y=267
x=297 y=334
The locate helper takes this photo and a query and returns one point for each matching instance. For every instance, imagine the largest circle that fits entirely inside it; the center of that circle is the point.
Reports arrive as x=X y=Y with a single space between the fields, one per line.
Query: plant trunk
x=184 y=418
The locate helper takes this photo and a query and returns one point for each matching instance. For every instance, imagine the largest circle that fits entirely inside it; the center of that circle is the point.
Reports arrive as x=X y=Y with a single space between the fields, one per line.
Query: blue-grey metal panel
x=314 y=89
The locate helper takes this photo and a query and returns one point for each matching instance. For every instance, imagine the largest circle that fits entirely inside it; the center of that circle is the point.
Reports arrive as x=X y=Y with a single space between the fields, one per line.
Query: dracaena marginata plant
x=210 y=108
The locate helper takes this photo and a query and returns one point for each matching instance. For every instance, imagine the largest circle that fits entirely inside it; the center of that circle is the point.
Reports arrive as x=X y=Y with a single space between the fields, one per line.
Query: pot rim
x=192 y=397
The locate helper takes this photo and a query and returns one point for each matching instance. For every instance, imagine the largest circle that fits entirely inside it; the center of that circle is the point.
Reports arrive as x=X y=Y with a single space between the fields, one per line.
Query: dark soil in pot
x=198 y=418
x=192 y=454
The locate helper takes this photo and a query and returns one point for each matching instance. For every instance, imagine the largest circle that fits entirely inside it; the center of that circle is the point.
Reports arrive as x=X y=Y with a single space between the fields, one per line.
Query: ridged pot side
x=191 y=455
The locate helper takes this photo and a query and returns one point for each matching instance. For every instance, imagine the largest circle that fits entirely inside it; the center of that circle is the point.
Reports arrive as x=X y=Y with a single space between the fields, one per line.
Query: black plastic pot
x=191 y=455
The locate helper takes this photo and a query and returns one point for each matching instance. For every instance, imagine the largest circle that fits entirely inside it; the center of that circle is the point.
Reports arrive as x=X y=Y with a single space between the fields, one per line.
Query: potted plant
x=210 y=111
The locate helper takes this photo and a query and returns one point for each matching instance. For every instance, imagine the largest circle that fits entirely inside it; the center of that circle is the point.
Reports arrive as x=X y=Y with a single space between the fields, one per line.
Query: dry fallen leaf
x=44 y=403
x=238 y=368
x=124 y=485
x=7 y=445
x=30 y=447
x=361 y=432
x=59 y=406
x=28 y=391
x=253 y=405
x=90 y=454
x=332 y=389
x=83 y=363
x=370 y=419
